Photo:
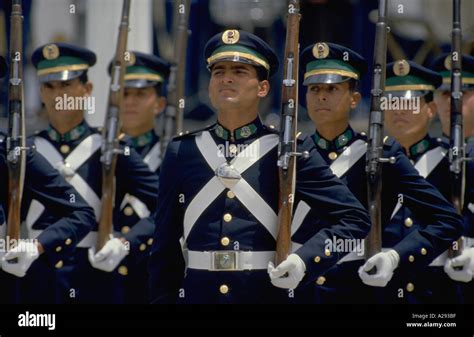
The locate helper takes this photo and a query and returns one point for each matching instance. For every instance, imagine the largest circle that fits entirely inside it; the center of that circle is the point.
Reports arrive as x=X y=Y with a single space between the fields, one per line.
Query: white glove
x=109 y=257
x=293 y=266
x=25 y=253
x=385 y=262
x=465 y=261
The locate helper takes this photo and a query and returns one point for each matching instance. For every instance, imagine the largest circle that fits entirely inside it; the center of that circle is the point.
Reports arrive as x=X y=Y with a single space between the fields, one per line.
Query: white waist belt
x=229 y=260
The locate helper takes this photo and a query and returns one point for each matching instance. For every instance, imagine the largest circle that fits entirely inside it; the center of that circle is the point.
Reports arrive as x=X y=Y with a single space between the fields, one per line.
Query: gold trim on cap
x=320 y=50
x=401 y=68
x=238 y=54
x=405 y=87
x=73 y=67
x=149 y=77
x=230 y=36
x=331 y=71
x=51 y=52
x=469 y=80
x=447 y=62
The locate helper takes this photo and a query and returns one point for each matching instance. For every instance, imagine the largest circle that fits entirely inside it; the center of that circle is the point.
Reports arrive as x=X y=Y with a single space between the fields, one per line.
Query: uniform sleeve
x=468 y=214
x=137 y=180
x=166 y=262
x=333 y=202
x=441 y=225
x=71 y=217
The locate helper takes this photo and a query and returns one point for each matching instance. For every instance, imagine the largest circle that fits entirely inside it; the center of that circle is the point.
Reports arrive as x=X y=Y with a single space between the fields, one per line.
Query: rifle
x=288 y=128
x=173 y=121
x=110 y=134
x=16 y=156
x=456 y=142
x=374 y=159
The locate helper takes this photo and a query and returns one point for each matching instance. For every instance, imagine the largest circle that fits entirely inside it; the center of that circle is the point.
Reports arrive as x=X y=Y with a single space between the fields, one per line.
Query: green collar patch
x=69 y=136
x=241 y=133
x=143 y=139
x=342 y=140
x=419 y=148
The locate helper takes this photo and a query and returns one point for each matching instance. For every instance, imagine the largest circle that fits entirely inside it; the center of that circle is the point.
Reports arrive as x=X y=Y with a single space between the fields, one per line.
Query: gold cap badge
x=230 y=36
x=51 y=52
x=401 y=68
x=130 y=58
x=447 y=62
x=320 y=50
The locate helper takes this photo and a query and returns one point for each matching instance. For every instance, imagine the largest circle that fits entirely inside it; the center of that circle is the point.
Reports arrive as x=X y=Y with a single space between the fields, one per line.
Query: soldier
x=143 y=102
x=442 y=98
x=65 y=220
x=332 y=74
x=413 y=86
x=219 y=191
x=74 y=149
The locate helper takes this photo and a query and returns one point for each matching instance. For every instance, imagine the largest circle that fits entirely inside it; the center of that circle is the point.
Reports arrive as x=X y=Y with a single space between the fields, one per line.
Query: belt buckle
x=224 y=260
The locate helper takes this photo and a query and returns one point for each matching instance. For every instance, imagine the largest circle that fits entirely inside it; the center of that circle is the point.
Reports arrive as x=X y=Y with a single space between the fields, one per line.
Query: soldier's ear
x=355 y=99
x=89 y=87
x=432 y=109
x=160 y=105
x=263 y=88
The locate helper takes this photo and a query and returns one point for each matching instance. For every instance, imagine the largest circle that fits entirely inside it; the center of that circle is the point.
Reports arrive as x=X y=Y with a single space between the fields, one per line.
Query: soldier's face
x=443 y=102
x=330 y=103
x=235 y=85
x=409 y=123
x=141 y=106
x=56 y=92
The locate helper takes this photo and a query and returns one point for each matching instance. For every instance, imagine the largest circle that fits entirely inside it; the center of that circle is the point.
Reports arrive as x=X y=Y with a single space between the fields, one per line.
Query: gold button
x=68 y=242
x=123 y=270
x=424 y=251
x=225 y=241
x=227 y=217
x=410 y=287
x=125 y=229
x=232 y=148
x=128 y=211
x=64 y=149
x=327 y=252
x=230 y=194
x=150 y=241
x=317 y=259
x=58 y=248
x=142 y=247
x=320 y=281
x=224 y=289
x=411 y=258
x=332 y=155
x=408 y=222
x=59 y=265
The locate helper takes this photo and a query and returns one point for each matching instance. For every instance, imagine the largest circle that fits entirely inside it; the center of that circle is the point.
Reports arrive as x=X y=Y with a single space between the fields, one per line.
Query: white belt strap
x=348 y=158
x=81 y=154
x=138 y=206
x=425 y=165
x=245 y=260
x=242 y=190
x=153 y=158
x=300 y=214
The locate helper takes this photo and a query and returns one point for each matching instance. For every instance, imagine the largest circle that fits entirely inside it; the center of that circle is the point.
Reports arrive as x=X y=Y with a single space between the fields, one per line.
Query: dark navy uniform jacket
x=439 y=223
x=133 y=177
x=226 y=224
x=65 y=223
